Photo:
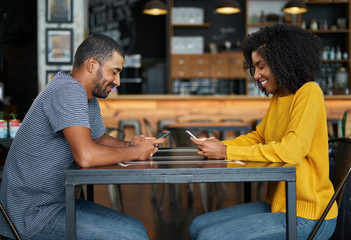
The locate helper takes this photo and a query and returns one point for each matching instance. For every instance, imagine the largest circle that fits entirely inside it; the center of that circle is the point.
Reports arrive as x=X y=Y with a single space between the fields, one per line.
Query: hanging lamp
x=228 y=7
x=295 y=7
x=155 y=7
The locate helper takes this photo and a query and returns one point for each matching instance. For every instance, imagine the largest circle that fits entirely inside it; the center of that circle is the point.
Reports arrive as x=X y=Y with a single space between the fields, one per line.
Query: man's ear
x=91 y=64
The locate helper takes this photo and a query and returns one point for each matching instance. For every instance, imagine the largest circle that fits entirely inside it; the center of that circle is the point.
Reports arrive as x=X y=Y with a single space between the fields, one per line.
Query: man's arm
x=111 y=141
x=88 y=153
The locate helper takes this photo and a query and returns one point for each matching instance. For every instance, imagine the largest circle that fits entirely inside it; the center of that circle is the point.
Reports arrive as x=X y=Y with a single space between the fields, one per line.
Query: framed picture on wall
x=59 y=11
x=59 y=46
x=51 y=73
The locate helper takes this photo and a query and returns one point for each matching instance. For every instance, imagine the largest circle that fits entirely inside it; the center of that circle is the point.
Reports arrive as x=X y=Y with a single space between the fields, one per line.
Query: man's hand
x=145 y=146
x=211 y=147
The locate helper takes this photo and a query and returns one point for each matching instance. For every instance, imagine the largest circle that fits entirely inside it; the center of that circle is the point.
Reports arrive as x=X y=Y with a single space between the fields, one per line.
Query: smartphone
x=192 y=135
x=164 y=134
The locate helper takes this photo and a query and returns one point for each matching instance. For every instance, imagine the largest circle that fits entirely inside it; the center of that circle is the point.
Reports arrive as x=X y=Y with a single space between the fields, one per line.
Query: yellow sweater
x=293 y=131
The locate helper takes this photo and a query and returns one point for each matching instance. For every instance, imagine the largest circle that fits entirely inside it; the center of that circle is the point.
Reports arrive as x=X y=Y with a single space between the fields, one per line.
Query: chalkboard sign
x=115 y=19
x=123 y=21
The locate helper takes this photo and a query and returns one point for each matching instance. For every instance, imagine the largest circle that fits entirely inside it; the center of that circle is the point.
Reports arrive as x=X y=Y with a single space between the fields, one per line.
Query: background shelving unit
x=207 y=73
x=258 y=12
x=332 y=36
x=246 y=22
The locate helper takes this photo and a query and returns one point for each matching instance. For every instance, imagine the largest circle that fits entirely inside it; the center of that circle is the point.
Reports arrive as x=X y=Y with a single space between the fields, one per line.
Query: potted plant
x=341 y=133
x=341 y=128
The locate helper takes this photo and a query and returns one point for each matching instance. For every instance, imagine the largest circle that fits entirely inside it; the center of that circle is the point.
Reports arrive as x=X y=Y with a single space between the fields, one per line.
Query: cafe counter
x=201 y=108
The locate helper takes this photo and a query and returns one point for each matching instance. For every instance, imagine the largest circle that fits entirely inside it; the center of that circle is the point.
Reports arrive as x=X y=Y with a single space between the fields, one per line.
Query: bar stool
x=129 y=123
x=149 y=130
x=160 y=128
x=114 y=190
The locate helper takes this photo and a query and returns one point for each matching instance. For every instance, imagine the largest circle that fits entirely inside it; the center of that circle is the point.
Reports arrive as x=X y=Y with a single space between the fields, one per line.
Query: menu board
x=115 y=19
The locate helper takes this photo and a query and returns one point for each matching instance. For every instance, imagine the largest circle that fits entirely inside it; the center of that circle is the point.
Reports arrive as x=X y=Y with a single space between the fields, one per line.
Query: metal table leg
x=291 y=210
x=70 y=212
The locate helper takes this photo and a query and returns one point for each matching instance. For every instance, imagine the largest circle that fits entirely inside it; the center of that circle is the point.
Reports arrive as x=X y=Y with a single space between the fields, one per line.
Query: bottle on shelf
x=262 y=18
x=330 y=85
x=323 y=25
x=332 y=53
x=313 y=24
x=345 y=55
x=338 y=54
x=325 y=53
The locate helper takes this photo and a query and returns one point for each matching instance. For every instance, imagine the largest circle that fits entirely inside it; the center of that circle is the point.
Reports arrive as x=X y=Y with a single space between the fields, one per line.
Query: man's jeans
x=94 y=222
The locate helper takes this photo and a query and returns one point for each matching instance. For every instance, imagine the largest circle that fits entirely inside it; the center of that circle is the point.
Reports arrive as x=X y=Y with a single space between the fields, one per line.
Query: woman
x=284 y=61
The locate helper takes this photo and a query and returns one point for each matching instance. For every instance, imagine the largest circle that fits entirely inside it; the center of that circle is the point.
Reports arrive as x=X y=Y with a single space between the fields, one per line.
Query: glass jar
x=341 y=79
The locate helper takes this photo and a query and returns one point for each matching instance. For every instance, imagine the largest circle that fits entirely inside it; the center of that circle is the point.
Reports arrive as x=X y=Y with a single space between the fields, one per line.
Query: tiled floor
x=173 y=222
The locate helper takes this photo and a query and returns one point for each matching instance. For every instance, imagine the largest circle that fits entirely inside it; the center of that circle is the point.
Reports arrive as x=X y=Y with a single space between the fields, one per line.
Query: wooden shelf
x=330 y=31
x=258 y=25
x=191 y=25
x=336 y=61
x=327 y=2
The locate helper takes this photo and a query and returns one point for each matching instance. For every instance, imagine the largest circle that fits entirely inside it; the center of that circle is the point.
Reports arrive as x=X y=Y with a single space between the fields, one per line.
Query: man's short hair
x=99 y=46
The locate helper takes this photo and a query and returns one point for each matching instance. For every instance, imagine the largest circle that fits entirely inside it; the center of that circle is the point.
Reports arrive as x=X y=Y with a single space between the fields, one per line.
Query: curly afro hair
x=293 y=54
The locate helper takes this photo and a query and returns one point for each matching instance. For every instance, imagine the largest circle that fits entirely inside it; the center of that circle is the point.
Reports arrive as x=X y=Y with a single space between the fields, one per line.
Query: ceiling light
x=155 y=7
x=295 y=7
x=228 y=7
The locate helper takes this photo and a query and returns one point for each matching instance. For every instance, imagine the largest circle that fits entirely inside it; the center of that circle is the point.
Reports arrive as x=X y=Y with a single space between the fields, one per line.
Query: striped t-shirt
x=32 y=189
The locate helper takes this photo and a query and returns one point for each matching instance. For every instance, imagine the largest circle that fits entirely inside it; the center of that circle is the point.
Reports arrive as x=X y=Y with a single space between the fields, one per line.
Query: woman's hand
x=211 y=147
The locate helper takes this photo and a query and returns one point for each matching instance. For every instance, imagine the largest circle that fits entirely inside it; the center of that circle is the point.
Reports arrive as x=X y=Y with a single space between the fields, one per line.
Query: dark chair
x=341 y=172
x=3 y=155
x=8 y=220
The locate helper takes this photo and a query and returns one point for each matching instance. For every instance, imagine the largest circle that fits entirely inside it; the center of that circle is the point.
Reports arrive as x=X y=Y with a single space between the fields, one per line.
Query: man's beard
x=99 y=92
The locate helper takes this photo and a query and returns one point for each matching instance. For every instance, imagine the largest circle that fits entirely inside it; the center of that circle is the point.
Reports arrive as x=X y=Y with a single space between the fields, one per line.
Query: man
x=64 y=128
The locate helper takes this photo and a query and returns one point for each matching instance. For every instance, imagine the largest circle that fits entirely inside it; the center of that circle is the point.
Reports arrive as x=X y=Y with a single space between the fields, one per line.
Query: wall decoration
x=51 y=73
x=59 y=46
x=59 y=11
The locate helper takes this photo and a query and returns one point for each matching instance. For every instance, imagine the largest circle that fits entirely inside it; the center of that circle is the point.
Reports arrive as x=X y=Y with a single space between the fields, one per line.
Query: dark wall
x=18 y=53
x=136 y=32
x=145 y=34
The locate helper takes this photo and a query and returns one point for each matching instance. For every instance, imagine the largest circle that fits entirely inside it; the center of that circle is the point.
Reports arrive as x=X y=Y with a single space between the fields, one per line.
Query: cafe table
x=180 y=165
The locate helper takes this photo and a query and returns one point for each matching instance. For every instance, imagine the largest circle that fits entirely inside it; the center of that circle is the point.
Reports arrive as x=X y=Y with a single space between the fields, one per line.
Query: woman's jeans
x=253 y=221
x=94 y=222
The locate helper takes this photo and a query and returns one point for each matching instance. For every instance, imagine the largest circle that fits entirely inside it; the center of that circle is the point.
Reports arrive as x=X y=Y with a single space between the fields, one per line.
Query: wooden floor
x=173 y=222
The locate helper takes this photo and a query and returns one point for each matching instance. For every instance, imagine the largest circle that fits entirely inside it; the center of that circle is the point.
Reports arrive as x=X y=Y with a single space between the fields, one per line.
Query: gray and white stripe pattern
x=32 y=188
